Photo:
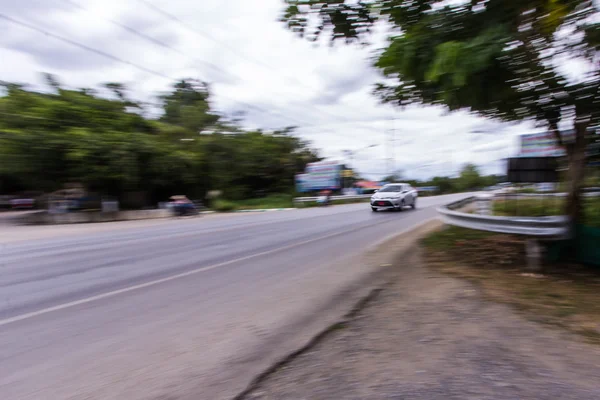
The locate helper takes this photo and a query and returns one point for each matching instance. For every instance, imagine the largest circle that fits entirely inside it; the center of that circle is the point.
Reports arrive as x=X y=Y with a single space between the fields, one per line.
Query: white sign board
x=540 y=145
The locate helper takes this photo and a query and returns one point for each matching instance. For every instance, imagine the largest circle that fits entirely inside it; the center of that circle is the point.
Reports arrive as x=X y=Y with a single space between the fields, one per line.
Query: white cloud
x=251 y=61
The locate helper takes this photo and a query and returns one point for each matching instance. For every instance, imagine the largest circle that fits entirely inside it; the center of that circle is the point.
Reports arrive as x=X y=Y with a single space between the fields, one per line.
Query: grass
x=529 y=207
x=547 y=206
x=452 y=237
x=315 y=204
x=272 y=201
x=567 y=296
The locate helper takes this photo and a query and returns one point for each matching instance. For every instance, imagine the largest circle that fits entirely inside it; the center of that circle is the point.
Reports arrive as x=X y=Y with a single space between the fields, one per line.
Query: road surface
x=173 y=310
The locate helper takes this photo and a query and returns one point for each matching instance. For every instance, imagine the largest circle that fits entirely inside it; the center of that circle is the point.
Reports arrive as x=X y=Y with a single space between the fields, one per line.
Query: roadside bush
x=271 y=201
x=545 y=207
x=224 y=205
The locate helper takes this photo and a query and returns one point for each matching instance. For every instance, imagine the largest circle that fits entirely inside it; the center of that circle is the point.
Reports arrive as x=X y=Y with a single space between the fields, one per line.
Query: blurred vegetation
x=102 y=139
x=453 y=237
x=271 y=201
x=469 y=179
x=549 y=205
x=497 y=58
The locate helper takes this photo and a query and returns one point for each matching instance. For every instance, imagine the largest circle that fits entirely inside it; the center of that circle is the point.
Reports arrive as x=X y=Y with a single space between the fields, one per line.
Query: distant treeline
x=101 y=139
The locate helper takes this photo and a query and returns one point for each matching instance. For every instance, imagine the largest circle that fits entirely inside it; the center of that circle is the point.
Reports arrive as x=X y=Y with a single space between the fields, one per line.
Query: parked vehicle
x=182 y=210
x=22 y=204
x=394 y=197
x=182 y=206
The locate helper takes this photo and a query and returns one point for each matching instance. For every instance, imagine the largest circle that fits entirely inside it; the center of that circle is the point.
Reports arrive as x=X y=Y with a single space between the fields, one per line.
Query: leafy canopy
x=104 y=142
x=493 y=57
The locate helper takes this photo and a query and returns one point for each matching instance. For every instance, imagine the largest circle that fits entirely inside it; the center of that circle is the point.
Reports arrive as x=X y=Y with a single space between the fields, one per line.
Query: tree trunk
x=575 y=175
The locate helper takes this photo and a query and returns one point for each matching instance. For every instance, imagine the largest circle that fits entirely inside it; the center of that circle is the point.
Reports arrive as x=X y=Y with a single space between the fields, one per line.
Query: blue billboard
x=319 y=176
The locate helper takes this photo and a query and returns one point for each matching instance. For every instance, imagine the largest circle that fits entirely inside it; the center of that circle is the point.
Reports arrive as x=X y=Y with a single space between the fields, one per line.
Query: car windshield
x=391 y=189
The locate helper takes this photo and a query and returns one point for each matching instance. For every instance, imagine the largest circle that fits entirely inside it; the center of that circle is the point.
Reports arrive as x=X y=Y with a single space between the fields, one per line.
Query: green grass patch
x=529 y=207
x=451 y=237
x=224 y=205
x=273 y=201
x=548 y=206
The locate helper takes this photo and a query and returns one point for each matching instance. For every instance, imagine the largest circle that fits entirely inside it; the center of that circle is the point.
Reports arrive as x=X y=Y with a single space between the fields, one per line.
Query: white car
x=394 y=196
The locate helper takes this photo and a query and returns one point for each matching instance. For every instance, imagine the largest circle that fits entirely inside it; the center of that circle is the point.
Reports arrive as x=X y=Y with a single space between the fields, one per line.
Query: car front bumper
x=385 y=204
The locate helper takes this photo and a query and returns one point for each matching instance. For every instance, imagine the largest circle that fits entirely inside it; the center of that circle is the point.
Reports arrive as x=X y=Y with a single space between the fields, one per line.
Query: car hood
x=386 y=195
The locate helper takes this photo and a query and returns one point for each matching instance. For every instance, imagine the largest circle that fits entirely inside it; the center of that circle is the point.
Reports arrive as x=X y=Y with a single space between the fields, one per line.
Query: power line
x=145 y=37
x=210 y=37
x=164 y=45
x=122 y=61
x=145 y=69
x=81 y=46
x=226 y=46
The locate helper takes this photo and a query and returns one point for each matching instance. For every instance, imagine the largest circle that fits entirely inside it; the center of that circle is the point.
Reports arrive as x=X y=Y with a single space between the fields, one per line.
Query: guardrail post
x=484 y=205
x=533 y=250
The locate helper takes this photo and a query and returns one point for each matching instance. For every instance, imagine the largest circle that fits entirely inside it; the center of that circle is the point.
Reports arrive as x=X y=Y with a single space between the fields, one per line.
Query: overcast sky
x=254 y=65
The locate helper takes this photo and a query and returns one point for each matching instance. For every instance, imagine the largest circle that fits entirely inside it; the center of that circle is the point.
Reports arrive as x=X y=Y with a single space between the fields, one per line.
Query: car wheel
x=401 y=206
x=373 y=209
x=414 y=204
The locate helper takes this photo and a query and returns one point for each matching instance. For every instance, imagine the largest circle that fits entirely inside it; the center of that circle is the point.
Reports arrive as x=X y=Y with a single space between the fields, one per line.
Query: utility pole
x=351 y=155
x=390 y=143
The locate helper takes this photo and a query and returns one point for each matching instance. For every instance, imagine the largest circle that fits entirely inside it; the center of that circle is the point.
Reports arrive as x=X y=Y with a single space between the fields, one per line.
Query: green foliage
x=443 y=183
x=496 y=58
x=187 y=106
x=452 y=236
x=272 y=201
x=50 y=139
x=469 y=178
x=224 y=205
x=547 y=206
x=528 y=207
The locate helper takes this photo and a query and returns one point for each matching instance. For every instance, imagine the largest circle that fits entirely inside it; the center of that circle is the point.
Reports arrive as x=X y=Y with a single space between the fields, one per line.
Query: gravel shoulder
x=431 y=336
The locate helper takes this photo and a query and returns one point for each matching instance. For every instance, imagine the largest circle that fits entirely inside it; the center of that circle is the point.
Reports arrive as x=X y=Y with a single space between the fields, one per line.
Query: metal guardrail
x=499 y=195
x=551 y=227
x=542 y=195
x=333 y=198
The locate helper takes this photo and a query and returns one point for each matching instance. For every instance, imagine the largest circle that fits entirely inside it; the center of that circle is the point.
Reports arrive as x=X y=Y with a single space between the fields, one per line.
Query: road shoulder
x=430 y=336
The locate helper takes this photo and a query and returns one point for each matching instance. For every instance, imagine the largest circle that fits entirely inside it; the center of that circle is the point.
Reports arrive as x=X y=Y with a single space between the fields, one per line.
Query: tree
x=496 y=58
x=187 y=106
x=443 y=183
x=49 y=139
x=392 y=178
x=469 y=178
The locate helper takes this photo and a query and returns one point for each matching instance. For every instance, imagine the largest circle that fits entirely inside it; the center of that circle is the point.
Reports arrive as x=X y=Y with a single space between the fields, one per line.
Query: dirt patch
x=564 y=295
x=431 y=336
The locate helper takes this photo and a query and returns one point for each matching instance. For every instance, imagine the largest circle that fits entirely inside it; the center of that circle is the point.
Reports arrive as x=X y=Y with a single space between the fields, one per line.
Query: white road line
x=172 y=277
x=196 y=271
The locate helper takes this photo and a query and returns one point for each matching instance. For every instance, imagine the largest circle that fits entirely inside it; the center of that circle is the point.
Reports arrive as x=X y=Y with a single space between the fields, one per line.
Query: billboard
x=540 y=145
x=532 y=169
x=318 y=176
x=302 y=183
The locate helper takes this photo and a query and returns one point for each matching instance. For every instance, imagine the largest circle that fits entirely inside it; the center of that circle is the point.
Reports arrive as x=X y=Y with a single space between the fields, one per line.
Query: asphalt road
x=176 y=309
